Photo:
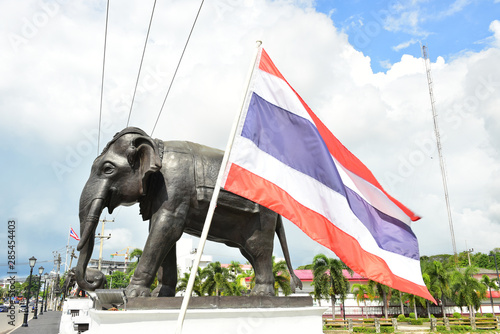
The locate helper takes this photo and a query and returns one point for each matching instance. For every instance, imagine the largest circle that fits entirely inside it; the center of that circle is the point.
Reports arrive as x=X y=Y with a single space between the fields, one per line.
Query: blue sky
x=347 y=59
x=377 y=28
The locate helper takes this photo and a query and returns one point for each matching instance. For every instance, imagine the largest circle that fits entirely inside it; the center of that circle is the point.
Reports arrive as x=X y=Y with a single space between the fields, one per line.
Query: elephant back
x=206 y=164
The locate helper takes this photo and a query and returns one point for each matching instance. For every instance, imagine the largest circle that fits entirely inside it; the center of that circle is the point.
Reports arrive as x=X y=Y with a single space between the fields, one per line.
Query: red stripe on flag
x=316 y=226
x=336 y=148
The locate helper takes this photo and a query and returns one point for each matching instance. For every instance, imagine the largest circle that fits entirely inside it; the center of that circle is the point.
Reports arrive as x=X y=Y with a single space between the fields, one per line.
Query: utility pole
x=55 y=287
x=102 y=237
x=439 y=147
x=72 y=256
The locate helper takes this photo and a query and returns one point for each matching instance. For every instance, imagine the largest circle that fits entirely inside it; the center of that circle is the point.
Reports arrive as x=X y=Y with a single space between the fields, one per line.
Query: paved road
x=47 y=323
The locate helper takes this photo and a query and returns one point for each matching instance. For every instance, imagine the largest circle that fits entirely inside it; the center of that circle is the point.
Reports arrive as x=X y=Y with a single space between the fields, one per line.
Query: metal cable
x=177 y=68
x=142 y=59
x=102 y=77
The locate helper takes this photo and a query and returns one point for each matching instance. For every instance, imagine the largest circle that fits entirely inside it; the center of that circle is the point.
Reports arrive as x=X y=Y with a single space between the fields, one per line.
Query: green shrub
x=416 y=321
x=412 y=315
x=401 y=317
x=386 y=329
x=457 y=315
x=440 y=328
x=488 y=315
x=363 y=330
x=460 y=328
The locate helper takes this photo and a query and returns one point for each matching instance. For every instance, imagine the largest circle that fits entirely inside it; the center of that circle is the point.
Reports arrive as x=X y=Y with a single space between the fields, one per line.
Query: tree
x=35 y=281
x=183 y=283
x=490 y=284
x=216 y=280
x=235 y=268
x=439 y=282
x=363 y=293
x=467 y=291
x=383 y=291
x=328 y=276
x=117 y=280
x=281 y=278
x=136 y=253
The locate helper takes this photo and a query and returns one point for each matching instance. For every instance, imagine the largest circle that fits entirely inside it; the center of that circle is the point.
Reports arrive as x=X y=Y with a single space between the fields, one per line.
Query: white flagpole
x=67 y=250
x=213 y=203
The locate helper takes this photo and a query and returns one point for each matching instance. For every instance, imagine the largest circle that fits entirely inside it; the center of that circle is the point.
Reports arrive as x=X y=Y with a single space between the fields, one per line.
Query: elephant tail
x=280 y=231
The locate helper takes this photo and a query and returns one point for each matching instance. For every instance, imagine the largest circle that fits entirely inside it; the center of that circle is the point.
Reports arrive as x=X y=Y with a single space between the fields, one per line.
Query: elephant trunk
x=89 y=220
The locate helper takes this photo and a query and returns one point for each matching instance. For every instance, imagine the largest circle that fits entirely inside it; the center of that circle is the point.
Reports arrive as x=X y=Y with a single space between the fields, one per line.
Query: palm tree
x=383 y=291
x=320 y=288
x=490 y=284
x=235 y=268
x=281 y=278
x=216 y=279
x=328 y=276
x=439 y=282
x=467 y=291
x=136 y=253
x=363 y=293
x=183 y=283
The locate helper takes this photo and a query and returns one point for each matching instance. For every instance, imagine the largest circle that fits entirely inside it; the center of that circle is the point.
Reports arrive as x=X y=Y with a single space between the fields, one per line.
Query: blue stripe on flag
x=296 y=142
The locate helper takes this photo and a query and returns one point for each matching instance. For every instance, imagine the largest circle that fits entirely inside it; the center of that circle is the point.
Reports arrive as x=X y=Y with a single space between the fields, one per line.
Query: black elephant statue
x=173 y=182
x=93 y=276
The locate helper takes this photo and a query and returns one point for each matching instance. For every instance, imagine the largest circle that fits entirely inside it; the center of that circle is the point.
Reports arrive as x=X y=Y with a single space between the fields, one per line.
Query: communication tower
x=427 y=62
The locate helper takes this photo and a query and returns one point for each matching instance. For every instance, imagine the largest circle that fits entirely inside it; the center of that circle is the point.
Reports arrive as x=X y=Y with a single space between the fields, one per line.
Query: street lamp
x=26 y=310
x=40 y=272
x=46 y=276
x=44 y=290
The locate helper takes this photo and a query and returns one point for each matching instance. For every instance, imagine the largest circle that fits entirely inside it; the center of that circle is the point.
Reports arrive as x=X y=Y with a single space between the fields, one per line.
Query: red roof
x=307 y=275
x=494 y=294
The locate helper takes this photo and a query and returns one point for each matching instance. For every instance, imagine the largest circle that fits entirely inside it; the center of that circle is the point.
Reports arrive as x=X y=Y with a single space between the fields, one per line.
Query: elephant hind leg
x=167 y=275
x=259 y=248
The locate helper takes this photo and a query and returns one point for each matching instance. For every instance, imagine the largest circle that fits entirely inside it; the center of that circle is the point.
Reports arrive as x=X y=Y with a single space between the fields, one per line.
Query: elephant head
x=118 y=177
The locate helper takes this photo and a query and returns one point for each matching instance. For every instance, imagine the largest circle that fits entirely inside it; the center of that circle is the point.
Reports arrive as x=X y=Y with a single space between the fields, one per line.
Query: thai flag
x=73 y=234
x=284 y=158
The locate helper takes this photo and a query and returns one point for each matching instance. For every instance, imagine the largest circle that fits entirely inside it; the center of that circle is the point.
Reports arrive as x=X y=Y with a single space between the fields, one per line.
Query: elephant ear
x=144 y=158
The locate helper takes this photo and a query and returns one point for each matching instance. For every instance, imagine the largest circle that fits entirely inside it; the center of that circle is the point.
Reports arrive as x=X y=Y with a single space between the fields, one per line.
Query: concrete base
x=218 y=315
x=217 y=321
x=75 y=315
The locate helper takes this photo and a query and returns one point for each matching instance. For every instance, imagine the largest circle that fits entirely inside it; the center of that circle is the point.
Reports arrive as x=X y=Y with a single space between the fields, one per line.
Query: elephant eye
x=108 y=168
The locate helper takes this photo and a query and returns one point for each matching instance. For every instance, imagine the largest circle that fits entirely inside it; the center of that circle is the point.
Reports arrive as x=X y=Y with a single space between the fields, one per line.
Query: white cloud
x=454 y=8
x=49 y=108
x=495 y=28
x=404 y=45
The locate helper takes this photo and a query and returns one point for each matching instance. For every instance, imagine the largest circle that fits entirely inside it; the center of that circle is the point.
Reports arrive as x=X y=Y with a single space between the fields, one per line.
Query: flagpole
x=67 y=250
x=213 y=203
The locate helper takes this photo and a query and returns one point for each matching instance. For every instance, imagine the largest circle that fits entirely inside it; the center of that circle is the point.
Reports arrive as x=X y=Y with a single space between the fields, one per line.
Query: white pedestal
x=75 y=312
x=216 y=321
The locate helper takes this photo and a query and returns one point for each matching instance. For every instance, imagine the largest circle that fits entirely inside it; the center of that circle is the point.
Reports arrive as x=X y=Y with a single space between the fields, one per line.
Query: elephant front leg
x=167 y=275
x=162 y=238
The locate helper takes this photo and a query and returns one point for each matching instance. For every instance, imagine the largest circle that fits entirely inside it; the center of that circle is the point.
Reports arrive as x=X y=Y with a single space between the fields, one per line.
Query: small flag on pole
x=286 y=159
x=73 y=234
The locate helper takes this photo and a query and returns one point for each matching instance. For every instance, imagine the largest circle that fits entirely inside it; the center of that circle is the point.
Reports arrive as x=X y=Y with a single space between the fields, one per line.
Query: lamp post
x=32 y=261
x=46 y=276
x=44 y=291
x=40 y=272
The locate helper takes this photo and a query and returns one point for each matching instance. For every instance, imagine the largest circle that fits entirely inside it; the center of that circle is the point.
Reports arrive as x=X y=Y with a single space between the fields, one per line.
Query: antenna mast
x=439 y=147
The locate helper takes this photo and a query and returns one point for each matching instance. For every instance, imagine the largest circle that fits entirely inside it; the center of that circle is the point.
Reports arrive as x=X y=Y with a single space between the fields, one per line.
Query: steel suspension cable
x=142 y=59
x=102 y=76
x=177 y=68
